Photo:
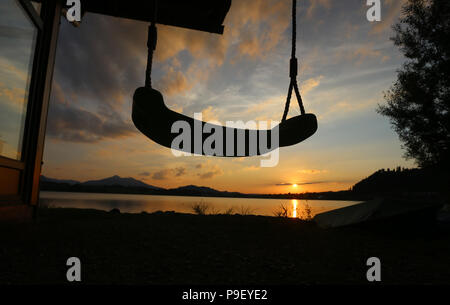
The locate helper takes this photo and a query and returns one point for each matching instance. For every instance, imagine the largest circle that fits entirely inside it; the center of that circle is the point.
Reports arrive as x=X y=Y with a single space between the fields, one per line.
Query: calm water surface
x=129 y=203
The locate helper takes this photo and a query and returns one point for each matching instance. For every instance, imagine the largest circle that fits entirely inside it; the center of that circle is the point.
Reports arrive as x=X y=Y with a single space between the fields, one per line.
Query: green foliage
x=418 y=102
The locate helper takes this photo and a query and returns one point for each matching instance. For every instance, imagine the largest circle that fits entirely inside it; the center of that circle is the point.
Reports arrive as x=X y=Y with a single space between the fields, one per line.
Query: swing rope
x=151 y=45
x=293 y=67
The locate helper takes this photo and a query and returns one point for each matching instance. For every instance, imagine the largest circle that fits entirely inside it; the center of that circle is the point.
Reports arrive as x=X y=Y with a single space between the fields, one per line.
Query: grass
x=307 y=212
x=284 y=211
x=205 y=208
x=200 y=208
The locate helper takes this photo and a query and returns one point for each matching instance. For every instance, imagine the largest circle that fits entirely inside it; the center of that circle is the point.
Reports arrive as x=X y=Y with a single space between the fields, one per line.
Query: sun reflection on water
x=294 y=208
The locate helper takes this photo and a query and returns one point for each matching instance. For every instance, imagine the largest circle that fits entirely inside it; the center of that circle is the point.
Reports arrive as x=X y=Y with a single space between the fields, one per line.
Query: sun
x=294 y=185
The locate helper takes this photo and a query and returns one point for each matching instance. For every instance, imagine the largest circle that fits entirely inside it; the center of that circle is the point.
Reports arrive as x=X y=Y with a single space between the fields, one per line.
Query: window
x=17 y=44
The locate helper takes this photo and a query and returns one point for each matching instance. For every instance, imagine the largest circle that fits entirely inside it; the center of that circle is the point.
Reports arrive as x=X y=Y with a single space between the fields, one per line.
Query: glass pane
x=17 y=43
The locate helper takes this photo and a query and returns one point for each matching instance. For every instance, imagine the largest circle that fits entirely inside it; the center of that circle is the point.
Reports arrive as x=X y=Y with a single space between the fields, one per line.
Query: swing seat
x=151 y=117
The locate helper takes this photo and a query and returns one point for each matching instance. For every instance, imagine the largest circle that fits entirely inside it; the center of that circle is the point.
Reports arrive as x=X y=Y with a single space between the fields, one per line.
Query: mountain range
x=116 y=180
x=382 y=183
x=119 y=184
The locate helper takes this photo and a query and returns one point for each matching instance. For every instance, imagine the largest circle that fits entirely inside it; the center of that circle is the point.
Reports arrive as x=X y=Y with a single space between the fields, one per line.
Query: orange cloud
x=252 y=30
x=257 y=26
x=393 y=9
x=310 y=84
x=366 y=51
x=10 y=68
x=16 y=97
x=360 y=53
x=173 y=40
x=208 y=170
x=211 y=173
x=210 y=114
x=174 y=82
x=312 y=171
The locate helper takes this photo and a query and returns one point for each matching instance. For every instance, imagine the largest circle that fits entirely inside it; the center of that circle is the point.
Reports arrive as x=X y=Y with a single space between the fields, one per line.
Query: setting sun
x=294 y=185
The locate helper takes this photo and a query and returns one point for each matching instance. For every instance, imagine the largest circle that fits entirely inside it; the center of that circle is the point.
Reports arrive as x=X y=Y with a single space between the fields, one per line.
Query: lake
x=130 y=203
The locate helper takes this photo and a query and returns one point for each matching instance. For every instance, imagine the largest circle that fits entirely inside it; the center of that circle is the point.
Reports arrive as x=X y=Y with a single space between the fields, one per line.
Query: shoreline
x=199 y=196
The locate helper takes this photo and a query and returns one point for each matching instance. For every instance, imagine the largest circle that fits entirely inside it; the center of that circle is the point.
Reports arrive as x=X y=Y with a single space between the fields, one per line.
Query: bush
x=282 y=211
x=200 y=208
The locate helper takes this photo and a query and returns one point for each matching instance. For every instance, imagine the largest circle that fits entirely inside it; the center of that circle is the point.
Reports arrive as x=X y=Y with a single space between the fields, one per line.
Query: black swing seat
x=151 y=116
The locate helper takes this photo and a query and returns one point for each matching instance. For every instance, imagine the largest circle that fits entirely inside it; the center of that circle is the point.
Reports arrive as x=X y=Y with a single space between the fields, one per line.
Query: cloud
x=313 y=171
x=144 y=174
x=256 y=27
x=393 y=9
x=359 y=53
x=366 y=51
x=91 y=65
x=266 y=110
x=302 y=183
x=310 y=84
x=180 y=171
x=346 y=107
x=385 y=58
x=174 y=40
x=94 y=75
x=210 y=114
x=251 y=168
x=161 y=174
x=211 y=172
x=252 y=30
x=350 y=30
x=13 y=70
x=174 y=82
x=168 y=172
x=269 y=109
x=315 y=4
x=16 y=96
x=68 y=123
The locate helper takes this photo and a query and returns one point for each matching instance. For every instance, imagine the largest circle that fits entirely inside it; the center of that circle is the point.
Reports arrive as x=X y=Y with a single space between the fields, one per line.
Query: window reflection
x=17 y=43
x=37 y=6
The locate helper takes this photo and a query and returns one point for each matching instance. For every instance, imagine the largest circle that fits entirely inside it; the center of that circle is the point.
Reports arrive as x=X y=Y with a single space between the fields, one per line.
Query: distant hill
x=402 y=181
x=204 y=191
x=119 y=181
x=117 y=184
x=195 y=188
x=52 y=180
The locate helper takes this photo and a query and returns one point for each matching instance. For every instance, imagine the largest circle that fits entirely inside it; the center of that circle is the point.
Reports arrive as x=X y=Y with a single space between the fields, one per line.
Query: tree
x=418 y=102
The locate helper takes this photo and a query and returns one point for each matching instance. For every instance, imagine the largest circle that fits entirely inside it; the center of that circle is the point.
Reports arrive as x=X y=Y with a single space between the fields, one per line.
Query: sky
x=346 y=62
